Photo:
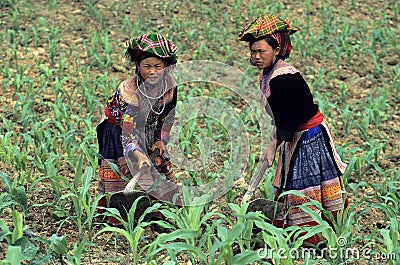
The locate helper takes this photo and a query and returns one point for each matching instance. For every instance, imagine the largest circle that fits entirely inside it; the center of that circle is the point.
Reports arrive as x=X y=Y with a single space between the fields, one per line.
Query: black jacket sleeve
x=291 y=103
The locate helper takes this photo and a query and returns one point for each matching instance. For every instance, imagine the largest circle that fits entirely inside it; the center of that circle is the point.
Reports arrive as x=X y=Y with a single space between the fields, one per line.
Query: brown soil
x=76 y=21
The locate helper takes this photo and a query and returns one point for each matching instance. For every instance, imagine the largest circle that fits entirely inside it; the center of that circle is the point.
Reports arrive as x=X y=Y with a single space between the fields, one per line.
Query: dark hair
x=279 y=39
x=272 y=42
x=137 y=56
x=144 y=55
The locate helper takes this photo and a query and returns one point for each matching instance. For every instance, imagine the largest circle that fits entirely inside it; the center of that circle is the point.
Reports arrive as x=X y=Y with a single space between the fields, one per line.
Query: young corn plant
x=22 y=246
x=389 y=245
x=267 y=187
x=244 y=240
x=173 y=244
x=221 y=250
x=294 y=237
x=274 y=239
x=133 y=230
x=192 y=225
x=84 y=208
x=51 y=171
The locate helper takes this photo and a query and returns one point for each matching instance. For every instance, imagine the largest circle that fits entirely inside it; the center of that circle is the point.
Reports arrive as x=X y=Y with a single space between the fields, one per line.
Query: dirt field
x=368 y=77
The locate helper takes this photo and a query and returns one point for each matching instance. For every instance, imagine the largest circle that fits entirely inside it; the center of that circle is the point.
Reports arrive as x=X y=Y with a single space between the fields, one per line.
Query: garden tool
x=267 y=207
x=123 y=200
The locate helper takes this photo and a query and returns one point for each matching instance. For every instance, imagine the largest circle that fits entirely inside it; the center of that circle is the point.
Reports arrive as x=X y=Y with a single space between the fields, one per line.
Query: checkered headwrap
x=265 y=25
x=272 y=26
x=155 y=44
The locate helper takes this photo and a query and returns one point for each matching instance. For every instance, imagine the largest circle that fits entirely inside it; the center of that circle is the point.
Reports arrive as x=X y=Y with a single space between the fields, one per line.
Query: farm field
x=62 y=59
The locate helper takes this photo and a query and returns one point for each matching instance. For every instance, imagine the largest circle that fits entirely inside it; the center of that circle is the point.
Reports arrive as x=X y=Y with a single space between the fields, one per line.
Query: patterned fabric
x=110 y=147
x=274 y=27
x=109 y=181
x=287 y=150
x=284 y=42
x=311 y=169
x=157 y=187
x=153 y=43
x=130 y=124
x=265 y=25
x=124 y=109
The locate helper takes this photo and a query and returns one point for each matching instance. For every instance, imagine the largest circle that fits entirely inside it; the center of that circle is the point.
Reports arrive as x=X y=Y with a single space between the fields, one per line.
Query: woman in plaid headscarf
x=308 y=161
x=138 y=118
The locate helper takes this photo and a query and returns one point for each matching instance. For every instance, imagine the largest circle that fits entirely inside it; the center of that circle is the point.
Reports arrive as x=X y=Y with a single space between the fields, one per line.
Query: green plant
x=58 y=71
x=15 y=196
x=20 y=248
x=133 y=229
x=84 y=208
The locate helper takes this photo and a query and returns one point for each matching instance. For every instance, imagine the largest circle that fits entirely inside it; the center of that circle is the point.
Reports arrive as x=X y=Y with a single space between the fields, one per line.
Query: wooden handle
x=255 y=181
x=130 y=187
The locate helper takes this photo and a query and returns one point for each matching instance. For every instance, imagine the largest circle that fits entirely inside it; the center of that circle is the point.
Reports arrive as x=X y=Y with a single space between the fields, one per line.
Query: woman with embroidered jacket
x=138 y=118
x=307 y=159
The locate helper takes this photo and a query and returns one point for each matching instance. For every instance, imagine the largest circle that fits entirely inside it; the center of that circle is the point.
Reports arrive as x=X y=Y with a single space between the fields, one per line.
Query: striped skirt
x=312 y=170
x=110 y=147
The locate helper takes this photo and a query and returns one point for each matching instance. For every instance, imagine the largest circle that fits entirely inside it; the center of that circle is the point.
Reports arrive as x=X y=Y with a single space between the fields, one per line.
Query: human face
x=151 y=69
x=262 y=54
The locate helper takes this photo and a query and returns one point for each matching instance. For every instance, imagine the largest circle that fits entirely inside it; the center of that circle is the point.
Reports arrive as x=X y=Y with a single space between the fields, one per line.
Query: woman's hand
x=269 y=153
x=142 y=159
x=158 y=145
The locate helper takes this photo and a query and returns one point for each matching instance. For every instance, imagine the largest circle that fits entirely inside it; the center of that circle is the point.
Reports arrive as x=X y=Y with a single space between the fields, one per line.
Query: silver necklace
x=149 y=97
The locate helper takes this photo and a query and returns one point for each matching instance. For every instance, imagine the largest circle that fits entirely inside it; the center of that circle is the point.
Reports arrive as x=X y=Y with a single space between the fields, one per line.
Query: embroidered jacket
x=289 y=98
x=138 y=117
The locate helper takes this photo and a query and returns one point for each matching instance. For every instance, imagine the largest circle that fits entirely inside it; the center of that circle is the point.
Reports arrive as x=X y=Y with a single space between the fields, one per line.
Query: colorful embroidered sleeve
x=166 y=120
x=115 y=108
x=129 y=137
